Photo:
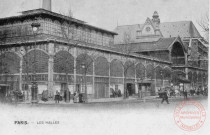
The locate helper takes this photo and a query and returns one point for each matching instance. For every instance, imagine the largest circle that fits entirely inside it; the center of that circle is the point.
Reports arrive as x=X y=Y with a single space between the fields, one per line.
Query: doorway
x=3 y=92
x=131 y=89
x=145 y=89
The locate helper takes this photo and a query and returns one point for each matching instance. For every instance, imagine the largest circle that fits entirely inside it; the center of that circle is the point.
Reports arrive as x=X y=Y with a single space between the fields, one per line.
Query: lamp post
x=182 y=84
x=34 y=88
x=161 y=74
x=84 y=70
x=204 y=81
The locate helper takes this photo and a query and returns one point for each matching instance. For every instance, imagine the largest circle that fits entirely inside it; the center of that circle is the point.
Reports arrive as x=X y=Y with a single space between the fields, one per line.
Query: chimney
x=46 y=4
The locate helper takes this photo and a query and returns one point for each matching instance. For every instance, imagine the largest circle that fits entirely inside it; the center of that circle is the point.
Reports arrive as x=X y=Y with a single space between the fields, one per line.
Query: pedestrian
x=69 y=96
x=126 y=93
x=75 y=98
x=57 y=97
x=185 y=94
x=165 y=97
x=116 y=93
x=119 y=93
x=65 y=95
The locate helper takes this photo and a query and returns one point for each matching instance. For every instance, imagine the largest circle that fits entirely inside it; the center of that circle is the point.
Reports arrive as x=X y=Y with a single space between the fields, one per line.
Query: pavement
x=114 y=100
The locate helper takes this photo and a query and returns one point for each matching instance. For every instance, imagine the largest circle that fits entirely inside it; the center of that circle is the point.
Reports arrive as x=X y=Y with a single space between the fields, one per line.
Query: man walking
x=57 y=97
x=185 y=94
x=165 y=97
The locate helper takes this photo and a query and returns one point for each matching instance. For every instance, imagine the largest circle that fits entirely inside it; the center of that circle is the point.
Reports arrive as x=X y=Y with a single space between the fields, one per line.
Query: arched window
x=150 y=71
x=129 y=69
x=63 y=62
x=35 y=60
x=84 y=64
x=199 y=77
x=140 y=71
x=177 y=54
x=116 y=68
x=9 y=63
x=167 y=73
x=190 y=76
x=195 y=77
x=101 y=66
x=159 y=72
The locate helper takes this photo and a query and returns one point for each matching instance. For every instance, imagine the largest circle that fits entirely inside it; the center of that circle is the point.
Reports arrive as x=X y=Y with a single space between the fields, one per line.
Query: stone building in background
x=177 y=42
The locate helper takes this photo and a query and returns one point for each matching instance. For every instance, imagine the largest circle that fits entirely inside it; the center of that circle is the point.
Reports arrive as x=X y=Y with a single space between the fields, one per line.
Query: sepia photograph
x=104 y=67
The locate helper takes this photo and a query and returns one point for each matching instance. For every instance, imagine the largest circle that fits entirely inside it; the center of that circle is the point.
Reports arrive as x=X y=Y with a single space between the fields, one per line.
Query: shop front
x=116 y=85
x=146 y=88
x=101 y=87
x=3 y=91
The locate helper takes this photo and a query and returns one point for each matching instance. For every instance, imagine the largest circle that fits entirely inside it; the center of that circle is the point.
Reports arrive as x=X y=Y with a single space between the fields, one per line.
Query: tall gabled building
x=178 y=42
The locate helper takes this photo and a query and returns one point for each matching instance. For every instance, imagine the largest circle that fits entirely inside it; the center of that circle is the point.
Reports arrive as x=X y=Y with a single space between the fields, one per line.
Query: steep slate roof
x=131 y=30
x=168 y=29
x=181 y=28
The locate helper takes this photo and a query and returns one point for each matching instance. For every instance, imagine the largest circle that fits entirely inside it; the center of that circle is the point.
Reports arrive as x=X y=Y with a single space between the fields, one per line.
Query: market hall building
x=66 y=53
x=177 y=42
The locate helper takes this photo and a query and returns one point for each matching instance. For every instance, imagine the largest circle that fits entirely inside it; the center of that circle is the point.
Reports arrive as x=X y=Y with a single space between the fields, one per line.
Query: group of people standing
x=66 y=96
x=115 y=93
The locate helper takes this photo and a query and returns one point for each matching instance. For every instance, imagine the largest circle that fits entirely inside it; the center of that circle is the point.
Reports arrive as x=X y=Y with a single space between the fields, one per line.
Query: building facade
x=68 y=54
x=177 y=42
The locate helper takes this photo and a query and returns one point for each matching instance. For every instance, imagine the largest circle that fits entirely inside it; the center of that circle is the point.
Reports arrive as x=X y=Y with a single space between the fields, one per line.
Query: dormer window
x=138 y=33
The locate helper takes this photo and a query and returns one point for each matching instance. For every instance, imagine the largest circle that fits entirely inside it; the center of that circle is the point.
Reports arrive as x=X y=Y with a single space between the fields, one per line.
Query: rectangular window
x=138 y=33
x=99 y=38
x=1 y=33
x=93 y=37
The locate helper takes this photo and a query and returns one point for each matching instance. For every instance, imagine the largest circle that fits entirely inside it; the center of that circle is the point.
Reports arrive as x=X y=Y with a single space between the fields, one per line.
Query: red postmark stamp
x=189 y=115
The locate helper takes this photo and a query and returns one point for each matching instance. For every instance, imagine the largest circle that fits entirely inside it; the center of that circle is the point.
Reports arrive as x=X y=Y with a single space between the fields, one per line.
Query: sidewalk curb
x=131 y=100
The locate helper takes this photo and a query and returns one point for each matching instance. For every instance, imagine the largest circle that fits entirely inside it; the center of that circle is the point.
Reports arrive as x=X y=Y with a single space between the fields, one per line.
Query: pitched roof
x=161 y=44
x=181 y=28
x=131 y=30
x=39 y=12
x=168 y=29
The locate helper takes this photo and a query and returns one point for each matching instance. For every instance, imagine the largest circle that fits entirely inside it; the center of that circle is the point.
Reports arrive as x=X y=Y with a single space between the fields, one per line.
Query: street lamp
x=181 y=84
x=84 y=70
x=161 y=74
x=34 y=88
x=204 y=80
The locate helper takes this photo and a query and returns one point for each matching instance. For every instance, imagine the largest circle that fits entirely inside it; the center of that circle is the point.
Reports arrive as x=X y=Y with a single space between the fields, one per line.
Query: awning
x=4 y=85
x=183 y=80
x=144 y=81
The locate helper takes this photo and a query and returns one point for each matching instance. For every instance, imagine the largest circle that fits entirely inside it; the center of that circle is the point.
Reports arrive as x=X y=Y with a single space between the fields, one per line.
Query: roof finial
x=155 y=15
x=156 y=19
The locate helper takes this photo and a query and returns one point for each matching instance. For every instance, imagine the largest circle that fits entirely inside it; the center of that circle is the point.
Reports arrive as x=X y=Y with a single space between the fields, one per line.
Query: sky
x=108 y=14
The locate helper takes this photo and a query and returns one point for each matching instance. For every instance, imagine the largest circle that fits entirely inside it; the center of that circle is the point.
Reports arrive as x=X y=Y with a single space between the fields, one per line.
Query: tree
x=203 y=22
x=140 y=75
x=127 y=50
x=74 y=39
x=85 y=66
